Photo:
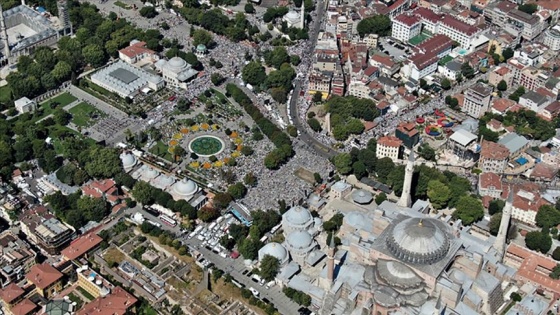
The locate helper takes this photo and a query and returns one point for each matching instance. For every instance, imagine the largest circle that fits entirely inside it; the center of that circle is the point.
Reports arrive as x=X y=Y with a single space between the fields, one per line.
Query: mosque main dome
x=419 y=241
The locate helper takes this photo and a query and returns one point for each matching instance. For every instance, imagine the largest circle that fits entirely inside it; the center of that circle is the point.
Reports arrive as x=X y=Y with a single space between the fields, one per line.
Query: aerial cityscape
x=294 y=157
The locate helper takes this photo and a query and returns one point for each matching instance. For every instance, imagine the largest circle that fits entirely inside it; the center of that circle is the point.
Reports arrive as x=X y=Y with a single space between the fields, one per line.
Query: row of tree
x=281 y=140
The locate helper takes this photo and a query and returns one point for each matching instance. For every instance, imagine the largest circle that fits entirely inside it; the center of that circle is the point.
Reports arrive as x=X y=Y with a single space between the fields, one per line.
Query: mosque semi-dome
x=177 y=63
x=418 y=241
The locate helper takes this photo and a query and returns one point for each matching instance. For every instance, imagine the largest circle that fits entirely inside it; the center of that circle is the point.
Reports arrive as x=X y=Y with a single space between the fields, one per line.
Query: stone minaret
x=302 y=13
x=406 y=198
x=4 y=34
x=330 y=260
x=501 y=238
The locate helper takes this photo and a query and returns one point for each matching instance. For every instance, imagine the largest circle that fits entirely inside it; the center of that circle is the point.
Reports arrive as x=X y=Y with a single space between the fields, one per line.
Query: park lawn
x=76 y=299
x=63 y=99
x=81 y=114
x=5 y=94
x=160 y=149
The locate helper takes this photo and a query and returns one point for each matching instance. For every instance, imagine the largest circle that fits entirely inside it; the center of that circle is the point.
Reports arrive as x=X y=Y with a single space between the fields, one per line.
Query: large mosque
x=23 y=28
x=394 y=259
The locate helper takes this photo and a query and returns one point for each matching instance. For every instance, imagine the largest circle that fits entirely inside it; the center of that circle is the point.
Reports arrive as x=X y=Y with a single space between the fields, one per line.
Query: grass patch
x=5 y=94
x=63 y=99
x=75 y=298
x=86 y=294
x=113 y=255
x=305 y=175
x=160 y=149
x=121 y=5
x=83 y=113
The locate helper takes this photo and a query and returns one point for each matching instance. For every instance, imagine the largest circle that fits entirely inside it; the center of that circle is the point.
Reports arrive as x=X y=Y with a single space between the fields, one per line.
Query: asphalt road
x=317 y=146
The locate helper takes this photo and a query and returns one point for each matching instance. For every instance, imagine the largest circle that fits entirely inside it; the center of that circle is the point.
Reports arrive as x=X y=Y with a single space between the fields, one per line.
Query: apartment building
x=493 y=157
x=389 y=146
x=477 y=100
x=534 y=101
x=523 y=24
x=458 y=31
x=552 y=37
x=532 y=78
x=408 y=134
x=320 y=81
x=16 y=258
x=405 y=27
x=419 y=66
x=497 y=12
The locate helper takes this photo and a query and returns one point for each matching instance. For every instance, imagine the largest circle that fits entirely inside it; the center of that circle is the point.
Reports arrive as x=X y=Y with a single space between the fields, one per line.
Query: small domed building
x=176 y=72
x=184 y=189
x=128 y=161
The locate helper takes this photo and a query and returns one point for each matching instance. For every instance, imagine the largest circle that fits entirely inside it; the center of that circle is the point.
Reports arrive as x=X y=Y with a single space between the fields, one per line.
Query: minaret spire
x=501 y=238
x=406 y=198
x=302 y=13
x=330 y=263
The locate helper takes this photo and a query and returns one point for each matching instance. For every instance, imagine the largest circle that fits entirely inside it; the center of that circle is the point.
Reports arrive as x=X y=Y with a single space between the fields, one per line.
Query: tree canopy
x=379 y=24
x=469 y=209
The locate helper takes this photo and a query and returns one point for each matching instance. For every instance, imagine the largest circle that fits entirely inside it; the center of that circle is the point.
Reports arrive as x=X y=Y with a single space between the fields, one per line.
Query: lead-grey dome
x=299 y=240
x=298 y=216
x=275 y=250
x=185 y=188
x=128 y=160
x=362 y=197
x=177 y=63
x=418 y=241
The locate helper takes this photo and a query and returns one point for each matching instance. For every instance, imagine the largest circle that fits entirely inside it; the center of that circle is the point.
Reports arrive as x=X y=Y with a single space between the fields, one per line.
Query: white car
x=254 y=291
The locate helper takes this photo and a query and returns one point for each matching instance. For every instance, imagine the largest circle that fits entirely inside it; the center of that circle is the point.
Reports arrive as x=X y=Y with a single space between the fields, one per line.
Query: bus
x=167 y=220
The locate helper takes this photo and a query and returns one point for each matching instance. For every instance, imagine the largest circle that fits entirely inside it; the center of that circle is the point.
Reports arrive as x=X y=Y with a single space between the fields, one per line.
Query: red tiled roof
x=490 y=180
x=370 y=70
x=535 y=268
x=24 y=307
x=502 y=104
x=427 y=14
x=544 y=171
x=455 y=24
x=43 y=275
x=506 y=6
x=116 y=303
x=421 y=61
x=10 y=293
x=436 y=44
x=494 y=151
x=389 y=141
x=382 y=105
x=407 y=19
x=81 y=245
x=494 y=124
x=552 y=5
x=103 y=185
x=407 y=128
x=515 y=108
x=386 y=61
x=135 y=50
x=501 y=71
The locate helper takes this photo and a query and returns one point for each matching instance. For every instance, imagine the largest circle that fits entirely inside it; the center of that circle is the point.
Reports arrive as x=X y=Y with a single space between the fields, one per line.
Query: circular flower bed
x=234 y=134
x=184 y=131
x=433 y=130
x=204 y=126
x=445 y=122
x=439 y=113
x=171 y=150
x=173 y=143
x=195 y=128
x=206 y=165
x=195 y=164
x=206 y=146
x=178 y=136
x=420 y=120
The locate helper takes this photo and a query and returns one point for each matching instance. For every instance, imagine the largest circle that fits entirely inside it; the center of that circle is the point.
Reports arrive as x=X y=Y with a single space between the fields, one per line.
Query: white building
x=126 y=80
x=419 y=66
x=137 y=51
x=405 y=27
x=25 y=105
x=176 y=72
x=552 y=38
x=534 y=101
x=388 y=146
